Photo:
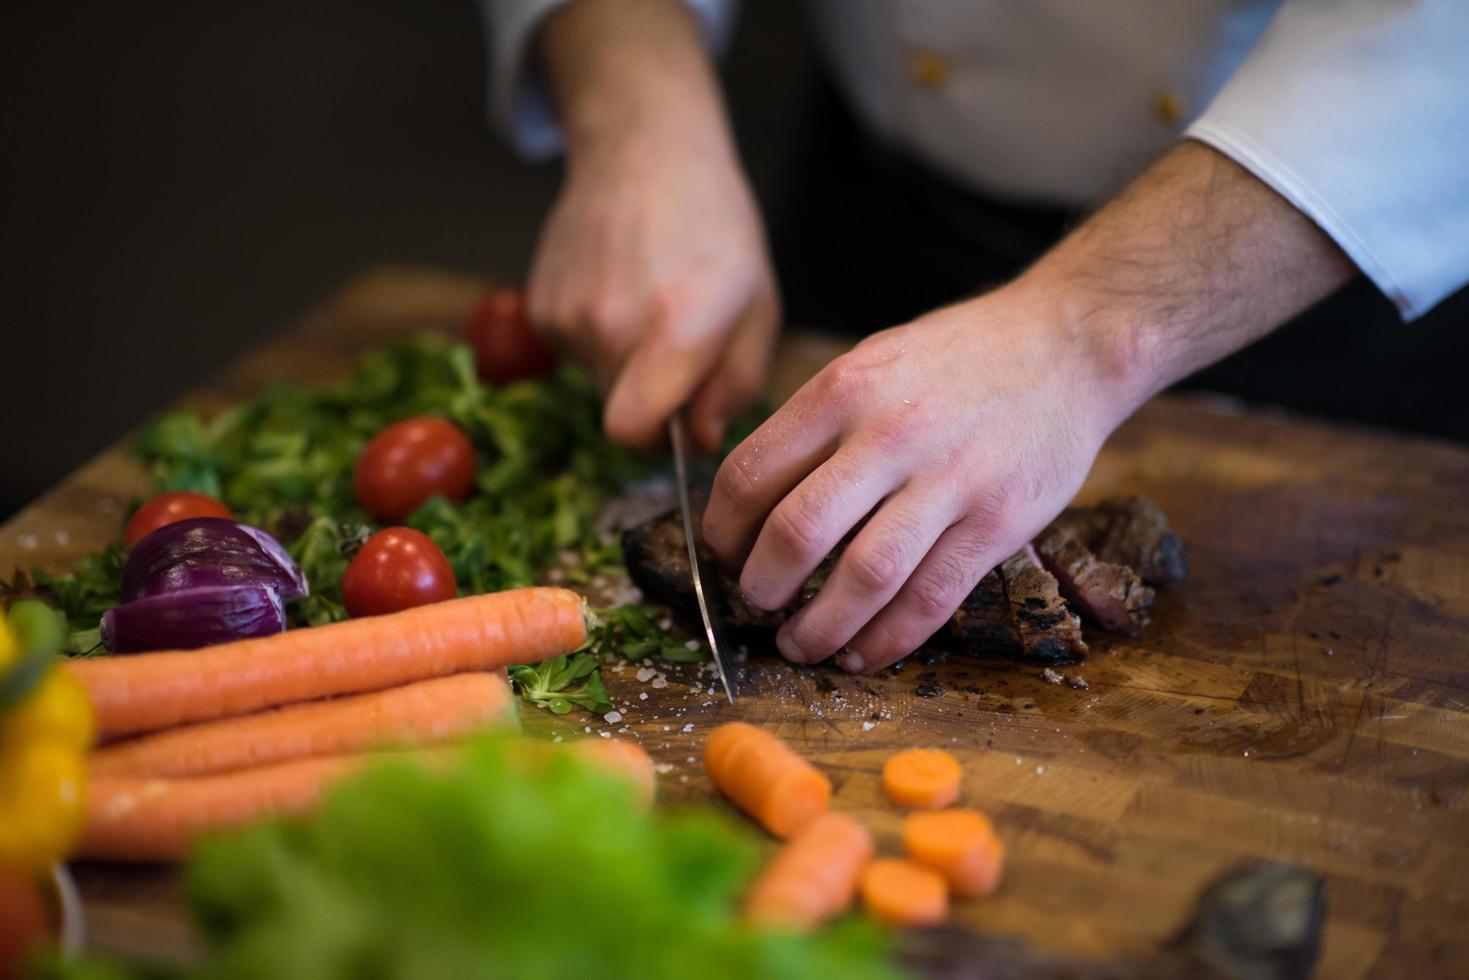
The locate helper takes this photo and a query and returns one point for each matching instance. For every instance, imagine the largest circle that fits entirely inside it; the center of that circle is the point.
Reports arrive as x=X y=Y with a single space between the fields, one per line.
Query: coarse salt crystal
x=663 y=768
x=612 y=717
x=660 y=681
x=691 y=645
x=1052 y=676
x=688 y=728
x=1039 y=770
x=644 y=674
x=642 y=695
x=868 y=726
x=605 y=734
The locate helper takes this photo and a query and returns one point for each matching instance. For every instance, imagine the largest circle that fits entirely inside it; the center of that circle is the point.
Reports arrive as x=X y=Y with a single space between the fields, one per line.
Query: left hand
x=962 y=433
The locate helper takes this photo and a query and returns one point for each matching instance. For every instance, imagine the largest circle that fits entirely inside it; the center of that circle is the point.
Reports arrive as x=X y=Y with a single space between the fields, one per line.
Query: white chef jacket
x=1355 y=111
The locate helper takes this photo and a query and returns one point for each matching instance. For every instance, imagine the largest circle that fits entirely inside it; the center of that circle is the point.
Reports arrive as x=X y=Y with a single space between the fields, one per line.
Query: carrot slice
x=814 y=877
x=621 y=757
x=959 y=844
x=924 y=779
x=149 y=691
x=441 y=709
x=763 y=776
x=902 y=893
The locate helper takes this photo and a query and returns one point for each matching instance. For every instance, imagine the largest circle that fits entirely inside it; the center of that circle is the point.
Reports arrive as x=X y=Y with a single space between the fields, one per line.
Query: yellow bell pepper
x=44 y=737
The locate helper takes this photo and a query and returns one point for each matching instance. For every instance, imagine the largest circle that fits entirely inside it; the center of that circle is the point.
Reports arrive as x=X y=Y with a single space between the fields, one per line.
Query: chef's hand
x=653 y=266
x=964 y=432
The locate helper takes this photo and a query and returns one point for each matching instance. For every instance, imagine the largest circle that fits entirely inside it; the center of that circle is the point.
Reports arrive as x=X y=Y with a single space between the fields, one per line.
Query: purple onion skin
x=209 y=551
x=193 y=618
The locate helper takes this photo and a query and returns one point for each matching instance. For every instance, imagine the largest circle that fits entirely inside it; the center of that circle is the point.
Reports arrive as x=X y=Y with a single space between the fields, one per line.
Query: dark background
x=182 y=178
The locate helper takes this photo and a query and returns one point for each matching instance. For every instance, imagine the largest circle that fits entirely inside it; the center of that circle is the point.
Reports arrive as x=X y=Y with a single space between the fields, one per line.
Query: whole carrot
x=437 y=710
x=814 y=877
x=159 y=819
x=148 y=691
x=765 y=777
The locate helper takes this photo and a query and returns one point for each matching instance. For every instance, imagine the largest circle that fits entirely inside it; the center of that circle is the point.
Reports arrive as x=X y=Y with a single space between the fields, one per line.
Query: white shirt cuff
x=519 y=103
x=1357 y=112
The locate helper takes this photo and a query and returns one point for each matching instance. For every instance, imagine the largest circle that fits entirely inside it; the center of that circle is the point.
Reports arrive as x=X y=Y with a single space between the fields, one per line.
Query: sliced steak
x=1130 y=531
x=1050 y=633
x=1110 y=595
x=657 y=560
x=983 y=622
x=1015 y=612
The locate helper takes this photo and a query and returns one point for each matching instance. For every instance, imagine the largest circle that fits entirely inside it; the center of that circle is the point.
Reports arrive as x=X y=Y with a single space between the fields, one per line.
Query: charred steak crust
x=983 y=622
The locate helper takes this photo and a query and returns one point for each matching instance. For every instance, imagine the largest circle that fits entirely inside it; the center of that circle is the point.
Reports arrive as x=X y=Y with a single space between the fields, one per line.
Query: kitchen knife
x=677 y=434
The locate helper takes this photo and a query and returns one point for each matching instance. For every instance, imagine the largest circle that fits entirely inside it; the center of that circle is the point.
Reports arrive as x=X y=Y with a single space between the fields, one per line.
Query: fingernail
x=853 y=663
x=789 y=648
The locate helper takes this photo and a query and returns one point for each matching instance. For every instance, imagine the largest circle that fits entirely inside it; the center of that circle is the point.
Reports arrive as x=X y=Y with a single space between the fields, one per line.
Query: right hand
x=653 y=269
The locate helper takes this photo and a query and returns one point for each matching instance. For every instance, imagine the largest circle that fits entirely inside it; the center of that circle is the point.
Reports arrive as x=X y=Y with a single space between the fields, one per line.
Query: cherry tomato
x=398 y=568
x=411 y=461
x=167 y=508
x=505 y=347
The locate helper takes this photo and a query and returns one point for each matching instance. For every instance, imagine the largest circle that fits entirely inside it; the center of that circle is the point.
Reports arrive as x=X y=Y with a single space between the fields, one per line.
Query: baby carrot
x=814 y=877
x=924 y=779
x=765 y=778
x=901 y=893
x=148 y=691
x=440 y=709
x=959 y=844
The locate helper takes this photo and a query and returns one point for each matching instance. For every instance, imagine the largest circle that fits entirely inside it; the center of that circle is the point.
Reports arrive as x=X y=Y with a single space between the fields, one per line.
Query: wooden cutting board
x=1304 y=697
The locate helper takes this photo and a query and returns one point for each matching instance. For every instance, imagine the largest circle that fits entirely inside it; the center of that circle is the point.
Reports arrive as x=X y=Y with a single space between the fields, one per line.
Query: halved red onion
x=194 y=617
x=209 y=551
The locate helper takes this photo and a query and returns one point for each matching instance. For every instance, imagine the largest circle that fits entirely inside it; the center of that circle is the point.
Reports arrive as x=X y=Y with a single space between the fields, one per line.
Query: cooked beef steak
x=983 y=621
x=1130 y=531
x=1049 y=632
x=1015 y=614
x=1110 y=595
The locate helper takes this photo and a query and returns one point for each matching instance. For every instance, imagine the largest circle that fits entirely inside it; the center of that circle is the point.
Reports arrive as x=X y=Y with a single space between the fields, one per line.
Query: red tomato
x=505 y=347
x=398 y=568
x=411 y=461
x=24 y=922
x=166 y=508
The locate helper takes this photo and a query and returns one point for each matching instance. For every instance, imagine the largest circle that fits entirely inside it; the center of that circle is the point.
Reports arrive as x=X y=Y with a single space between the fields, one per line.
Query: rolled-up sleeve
x=519 y=103
x=1357 y=112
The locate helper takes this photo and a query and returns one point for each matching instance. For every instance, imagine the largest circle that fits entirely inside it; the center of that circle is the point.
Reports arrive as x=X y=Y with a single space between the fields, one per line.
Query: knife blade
x=677 y=435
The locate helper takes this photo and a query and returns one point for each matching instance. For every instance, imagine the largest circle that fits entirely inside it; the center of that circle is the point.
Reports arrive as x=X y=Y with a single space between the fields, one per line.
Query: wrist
x=1105 y=339
x=628 y=74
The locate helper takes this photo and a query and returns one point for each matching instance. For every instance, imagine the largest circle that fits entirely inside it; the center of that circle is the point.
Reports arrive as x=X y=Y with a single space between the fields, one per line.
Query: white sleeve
x=1357 y=112
x=519 y=104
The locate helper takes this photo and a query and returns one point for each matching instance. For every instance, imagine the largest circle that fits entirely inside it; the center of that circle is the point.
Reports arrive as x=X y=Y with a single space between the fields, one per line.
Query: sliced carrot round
x=901 y=893
x=959 y=844
x=924 y=779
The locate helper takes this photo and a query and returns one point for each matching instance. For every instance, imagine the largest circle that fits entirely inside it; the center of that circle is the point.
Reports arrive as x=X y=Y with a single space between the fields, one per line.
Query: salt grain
x=605 y=734
x=644 y=674
x=691 y=645
x=660 y=681
x=642 y=695
x=1051 y=676
x=688 y=728
x=868 y=726
x=612 y=717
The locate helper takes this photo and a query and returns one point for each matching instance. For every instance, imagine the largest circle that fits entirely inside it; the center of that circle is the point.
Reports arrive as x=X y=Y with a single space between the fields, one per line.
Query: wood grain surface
x=1304 y=697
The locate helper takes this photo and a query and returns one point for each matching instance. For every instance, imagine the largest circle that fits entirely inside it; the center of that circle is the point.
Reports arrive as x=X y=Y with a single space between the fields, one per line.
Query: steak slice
x=1130 y=531
x=1050 y=633
x=983 y=621
x=1111 y=595
x=657 y=560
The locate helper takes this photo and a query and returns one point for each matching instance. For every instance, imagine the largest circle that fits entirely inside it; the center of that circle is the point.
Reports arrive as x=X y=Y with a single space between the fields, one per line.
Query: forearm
x=628 y=69
x=1194 y=260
